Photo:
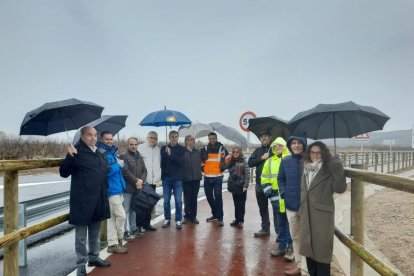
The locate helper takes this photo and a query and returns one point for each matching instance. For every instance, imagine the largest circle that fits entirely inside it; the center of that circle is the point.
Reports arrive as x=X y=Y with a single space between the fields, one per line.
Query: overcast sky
x=212 y=60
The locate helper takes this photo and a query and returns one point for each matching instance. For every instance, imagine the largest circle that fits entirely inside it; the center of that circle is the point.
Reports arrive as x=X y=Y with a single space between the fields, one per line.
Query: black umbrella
x=111 y=123
x=272 y=124
x=55 y=117
x=342 y=120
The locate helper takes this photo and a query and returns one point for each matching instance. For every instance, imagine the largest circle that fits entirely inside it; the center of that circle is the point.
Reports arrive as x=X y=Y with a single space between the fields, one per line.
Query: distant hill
x=403 y=139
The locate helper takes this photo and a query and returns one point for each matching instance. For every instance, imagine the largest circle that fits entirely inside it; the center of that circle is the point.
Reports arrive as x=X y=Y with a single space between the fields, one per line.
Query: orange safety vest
x=213 y=166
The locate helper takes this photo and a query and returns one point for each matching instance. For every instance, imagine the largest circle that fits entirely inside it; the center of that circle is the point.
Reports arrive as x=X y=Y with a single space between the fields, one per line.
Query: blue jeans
x=176 y=186
x=212 y=189
x=283 y=236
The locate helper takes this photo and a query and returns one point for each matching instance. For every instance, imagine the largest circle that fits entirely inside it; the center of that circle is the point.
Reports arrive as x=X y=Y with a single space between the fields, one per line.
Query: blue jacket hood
x=301 y=139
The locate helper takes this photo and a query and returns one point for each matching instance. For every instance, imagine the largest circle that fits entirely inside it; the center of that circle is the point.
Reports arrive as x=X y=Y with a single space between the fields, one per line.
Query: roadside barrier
x=397 y=161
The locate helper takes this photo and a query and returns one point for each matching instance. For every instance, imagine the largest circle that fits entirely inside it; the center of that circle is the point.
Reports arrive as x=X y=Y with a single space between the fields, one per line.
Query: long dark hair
x=326 y=155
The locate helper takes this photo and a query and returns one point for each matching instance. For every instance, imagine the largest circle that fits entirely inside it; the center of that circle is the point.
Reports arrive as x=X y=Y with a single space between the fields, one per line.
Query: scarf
x=239 y=166
x=311 y=169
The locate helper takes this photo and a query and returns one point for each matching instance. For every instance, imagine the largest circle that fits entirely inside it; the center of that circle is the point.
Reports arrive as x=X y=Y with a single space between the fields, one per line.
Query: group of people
x=297 y=180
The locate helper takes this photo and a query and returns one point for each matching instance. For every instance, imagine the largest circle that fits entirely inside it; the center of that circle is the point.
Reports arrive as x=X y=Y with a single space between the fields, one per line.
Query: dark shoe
x=239 y=225
x=293 y=272
x=119 y=249
x=211 y=219
x=138 y=233
x=128 y=237
x=81 y=271
x=233 y=223
x=186 y=221
x=166 y=224
x=262 y=233
x=150 y=228
x=178 y=225
x=99 y=262
x=221 y=223
x=195 y=221
x=278 y=252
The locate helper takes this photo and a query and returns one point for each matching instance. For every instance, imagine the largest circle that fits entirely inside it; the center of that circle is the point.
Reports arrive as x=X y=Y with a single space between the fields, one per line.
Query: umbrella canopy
x=165 y=117
x=342 y=120
x=111 y=123
x=55 y=117
x=230 y=134
x=196 y=130
x=272 y=124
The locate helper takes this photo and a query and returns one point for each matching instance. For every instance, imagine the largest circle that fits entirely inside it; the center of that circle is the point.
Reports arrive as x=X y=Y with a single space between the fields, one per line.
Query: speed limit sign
x=244 y=120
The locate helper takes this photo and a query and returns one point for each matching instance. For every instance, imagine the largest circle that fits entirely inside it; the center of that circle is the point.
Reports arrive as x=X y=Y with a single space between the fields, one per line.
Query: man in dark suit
x=88 y=200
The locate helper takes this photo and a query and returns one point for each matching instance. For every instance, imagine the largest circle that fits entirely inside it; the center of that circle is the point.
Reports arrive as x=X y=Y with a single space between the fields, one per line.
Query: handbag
x=145 y=199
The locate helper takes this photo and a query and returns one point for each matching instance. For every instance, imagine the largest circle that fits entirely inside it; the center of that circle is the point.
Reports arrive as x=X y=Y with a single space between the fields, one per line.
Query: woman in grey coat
x=323 y=175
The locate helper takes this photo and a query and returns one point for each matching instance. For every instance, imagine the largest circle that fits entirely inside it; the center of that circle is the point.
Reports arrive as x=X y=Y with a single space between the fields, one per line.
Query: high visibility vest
x=269 y=180
x=213 y=166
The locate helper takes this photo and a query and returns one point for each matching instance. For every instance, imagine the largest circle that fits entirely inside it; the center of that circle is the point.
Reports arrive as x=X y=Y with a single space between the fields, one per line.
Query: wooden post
x=344 y=160
x=103 y=239
x=11 y=220
x=356 y=158
x=393 y=161
x=375 y=161
x=367 y=159
x=388 y=163
x=382 y=162
x=357 y=221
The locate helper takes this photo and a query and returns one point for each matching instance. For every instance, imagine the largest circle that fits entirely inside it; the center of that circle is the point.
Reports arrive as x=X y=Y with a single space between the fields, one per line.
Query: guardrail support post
x=22 y=243
x=103 y=239
x=382 y=162
x=11 y=196
x=357 y=221
x=375 y=161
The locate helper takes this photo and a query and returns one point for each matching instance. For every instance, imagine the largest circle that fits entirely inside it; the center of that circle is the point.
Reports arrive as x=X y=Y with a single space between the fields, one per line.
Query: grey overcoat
x=317 y=211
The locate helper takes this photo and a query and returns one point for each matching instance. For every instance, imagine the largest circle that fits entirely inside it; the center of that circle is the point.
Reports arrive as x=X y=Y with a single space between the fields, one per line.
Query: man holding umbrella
x=88 y=201
x=258 y=159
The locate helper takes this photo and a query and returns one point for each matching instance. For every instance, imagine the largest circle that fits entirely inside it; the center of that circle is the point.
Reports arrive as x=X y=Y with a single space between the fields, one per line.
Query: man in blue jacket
x=116 y=188
x=289 y=180
x=172 y=174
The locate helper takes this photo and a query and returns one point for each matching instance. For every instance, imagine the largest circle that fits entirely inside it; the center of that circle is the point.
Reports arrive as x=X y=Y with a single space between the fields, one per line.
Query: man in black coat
x=88 y=200
x=257 y=159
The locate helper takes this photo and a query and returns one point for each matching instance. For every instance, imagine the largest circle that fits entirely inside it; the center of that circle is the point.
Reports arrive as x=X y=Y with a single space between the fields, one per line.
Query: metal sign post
x=362 y=138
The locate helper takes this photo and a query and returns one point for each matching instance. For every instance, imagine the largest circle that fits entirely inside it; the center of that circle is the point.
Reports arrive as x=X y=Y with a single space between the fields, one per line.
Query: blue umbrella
x=165 y=118
x=111 y=123
x=55 y=117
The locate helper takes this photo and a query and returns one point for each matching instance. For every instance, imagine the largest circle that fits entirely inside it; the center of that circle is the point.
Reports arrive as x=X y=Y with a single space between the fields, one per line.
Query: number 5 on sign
x=244 y=120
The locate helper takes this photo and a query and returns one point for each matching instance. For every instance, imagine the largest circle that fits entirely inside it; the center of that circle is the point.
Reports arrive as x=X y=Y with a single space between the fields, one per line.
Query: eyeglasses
x=315 y=152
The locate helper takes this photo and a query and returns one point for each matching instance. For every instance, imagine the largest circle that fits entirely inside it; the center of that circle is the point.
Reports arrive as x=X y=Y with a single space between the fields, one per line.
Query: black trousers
x=262 y=202
x=318 y=269
x=144 y=218
x=190 y=189
x=239 y=206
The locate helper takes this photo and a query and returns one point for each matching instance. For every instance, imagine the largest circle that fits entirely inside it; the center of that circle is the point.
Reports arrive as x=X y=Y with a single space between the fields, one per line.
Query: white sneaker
x=178 y=225
x=166 y=224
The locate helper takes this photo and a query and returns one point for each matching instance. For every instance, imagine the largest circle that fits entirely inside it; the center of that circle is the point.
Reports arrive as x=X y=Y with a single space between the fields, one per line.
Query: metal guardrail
x=43 y=207
x=39 y=208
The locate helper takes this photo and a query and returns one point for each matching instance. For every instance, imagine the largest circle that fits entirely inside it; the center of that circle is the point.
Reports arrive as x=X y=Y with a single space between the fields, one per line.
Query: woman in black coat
x=237 y=184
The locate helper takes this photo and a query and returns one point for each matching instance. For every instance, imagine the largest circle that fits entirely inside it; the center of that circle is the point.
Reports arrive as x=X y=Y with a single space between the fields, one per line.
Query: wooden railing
x=399 y=161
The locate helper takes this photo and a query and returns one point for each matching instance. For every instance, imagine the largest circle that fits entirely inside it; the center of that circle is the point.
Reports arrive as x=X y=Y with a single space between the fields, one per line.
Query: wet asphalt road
x=56 y=256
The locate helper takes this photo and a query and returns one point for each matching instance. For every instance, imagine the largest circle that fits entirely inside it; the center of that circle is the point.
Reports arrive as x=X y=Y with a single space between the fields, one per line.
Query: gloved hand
x=267 y=189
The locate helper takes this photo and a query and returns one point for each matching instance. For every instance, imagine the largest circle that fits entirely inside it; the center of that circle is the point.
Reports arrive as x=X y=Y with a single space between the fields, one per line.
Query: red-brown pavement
x=203 y=249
